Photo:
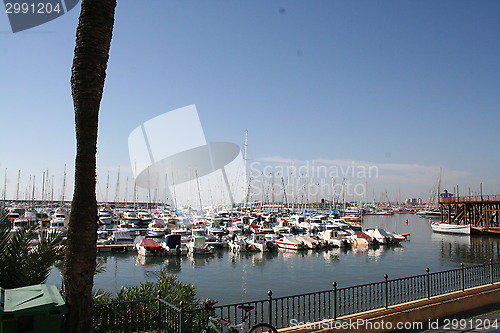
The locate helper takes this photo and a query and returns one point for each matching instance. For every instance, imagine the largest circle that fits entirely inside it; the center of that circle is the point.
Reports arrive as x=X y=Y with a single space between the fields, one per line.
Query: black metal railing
x=157 y=315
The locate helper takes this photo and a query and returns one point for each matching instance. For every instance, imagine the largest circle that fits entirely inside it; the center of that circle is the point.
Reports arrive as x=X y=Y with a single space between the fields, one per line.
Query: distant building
x=413 y=201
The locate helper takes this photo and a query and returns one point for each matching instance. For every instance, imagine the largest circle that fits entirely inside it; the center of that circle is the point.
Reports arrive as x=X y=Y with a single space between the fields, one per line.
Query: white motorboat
x=352 y=218
x=334 y=238
x=105 y=217
x=20 y=224
x=130 y=216
x=125 y=225
x=282 y=227
x=336 y=224
x=172 y=245
x=261 y=242
x=289 y=242
x=240 y=244
x=310 y=242
x=198 y=245
x=156 y=228
x=144 y=218
x=429 y=213
x=121 y=237
x=359 y=238
x=58 y=222
x=103 y=237
x=380 y=235
x=448 y=228
x=148 y=247
x=397 y=238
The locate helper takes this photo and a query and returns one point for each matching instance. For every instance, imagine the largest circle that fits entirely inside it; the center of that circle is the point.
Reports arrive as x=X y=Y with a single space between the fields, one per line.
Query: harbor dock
x=481 y=212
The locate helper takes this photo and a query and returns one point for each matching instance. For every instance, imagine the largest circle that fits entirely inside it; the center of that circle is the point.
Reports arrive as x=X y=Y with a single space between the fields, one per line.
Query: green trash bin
x=38 y=308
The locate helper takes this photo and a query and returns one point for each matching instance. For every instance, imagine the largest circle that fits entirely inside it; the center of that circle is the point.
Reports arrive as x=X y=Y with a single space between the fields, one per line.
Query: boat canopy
x=199 y=241
x=150 y=243
x=122 y=235
x=172 y=241
x=361 y=234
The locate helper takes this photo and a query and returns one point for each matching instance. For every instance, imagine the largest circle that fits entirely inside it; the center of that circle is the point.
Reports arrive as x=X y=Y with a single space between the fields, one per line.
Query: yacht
x=240 y=244
x=198 y=245
x=261 y=242
x=447 y=228
x=105 y=217
x=172 y=245
x=148 y=247
x=156 y=228
x=59 y=222
x=289 y=242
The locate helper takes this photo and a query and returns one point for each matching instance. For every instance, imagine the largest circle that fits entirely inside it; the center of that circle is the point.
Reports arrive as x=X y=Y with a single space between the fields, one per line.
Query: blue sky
x=408 y=86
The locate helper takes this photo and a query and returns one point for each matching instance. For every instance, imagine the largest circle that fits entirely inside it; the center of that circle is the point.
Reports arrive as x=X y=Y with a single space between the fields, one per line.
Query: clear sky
x=407 y=86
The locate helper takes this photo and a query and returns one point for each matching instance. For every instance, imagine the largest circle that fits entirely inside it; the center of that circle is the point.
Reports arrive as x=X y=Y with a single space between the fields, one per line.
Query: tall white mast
x=117 y=186
x=5 y=187
x=64 y=185
x=245 y=150
x=18 y=181
x=107 y=189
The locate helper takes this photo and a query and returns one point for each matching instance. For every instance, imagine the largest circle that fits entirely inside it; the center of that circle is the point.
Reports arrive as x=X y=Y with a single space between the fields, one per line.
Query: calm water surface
x=230 y=277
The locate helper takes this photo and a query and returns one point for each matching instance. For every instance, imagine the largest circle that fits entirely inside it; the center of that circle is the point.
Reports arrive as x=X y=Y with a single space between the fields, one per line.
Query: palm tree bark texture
x=93 y=39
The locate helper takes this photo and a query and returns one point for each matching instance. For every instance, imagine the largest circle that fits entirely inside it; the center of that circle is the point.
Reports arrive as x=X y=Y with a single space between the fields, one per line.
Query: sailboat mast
x=43 y=188
x=117 y=186
x=126 y=192
x=199 y=192
x=18 y=182
x=5 y=187
x=52 y=191
x=245 y=151
x=64 y=186
x=33 y=192
x=107 y=189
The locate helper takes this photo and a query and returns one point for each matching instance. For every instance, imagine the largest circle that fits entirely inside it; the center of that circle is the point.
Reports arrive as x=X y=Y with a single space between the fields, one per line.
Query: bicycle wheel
x=263 y=327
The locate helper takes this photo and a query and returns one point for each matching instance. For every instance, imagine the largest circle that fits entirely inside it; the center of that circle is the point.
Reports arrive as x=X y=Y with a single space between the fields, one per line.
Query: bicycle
x=223 y=325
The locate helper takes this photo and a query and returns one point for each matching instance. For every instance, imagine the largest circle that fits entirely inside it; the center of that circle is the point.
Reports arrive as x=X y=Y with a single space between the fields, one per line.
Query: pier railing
x=468 y=198
x=158 y=315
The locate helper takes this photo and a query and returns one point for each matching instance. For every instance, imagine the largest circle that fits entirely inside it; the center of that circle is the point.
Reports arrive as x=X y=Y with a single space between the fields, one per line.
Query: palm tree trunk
x=93 y=39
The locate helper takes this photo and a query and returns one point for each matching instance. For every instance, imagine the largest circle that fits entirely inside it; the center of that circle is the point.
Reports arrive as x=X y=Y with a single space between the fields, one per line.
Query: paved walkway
x=485 y=319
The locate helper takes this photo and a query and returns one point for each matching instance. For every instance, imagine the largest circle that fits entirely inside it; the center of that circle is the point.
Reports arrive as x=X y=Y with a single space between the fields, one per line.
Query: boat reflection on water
x=378 y=251
x=171 y=264
x=257 y=258
x=149 y=261
x=198 y=261
x=333 y=254
x=467 y=249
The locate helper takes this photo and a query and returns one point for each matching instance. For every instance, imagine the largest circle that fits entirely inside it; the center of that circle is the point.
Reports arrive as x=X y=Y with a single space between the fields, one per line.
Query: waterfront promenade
x=410 y=303
x=473 y=310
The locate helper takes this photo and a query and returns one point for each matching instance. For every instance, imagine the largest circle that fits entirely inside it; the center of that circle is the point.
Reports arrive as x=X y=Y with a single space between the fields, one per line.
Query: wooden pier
x=114 y=247
x=481 y=212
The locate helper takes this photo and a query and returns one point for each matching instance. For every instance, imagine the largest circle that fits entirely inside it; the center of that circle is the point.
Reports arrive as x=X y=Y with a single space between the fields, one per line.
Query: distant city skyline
x=407 y=88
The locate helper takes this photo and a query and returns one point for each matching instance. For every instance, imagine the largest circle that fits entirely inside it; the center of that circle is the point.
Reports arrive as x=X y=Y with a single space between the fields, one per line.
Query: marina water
x=235 y=277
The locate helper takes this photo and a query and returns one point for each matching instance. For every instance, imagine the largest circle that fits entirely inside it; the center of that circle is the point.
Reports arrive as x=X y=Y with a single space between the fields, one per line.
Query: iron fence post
x=160 y=321
x=386 y=284
x=462 y=276
x=491 y=270
x=181 y=317
x=270 y=300
x=428 y=283
x=335 y=300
